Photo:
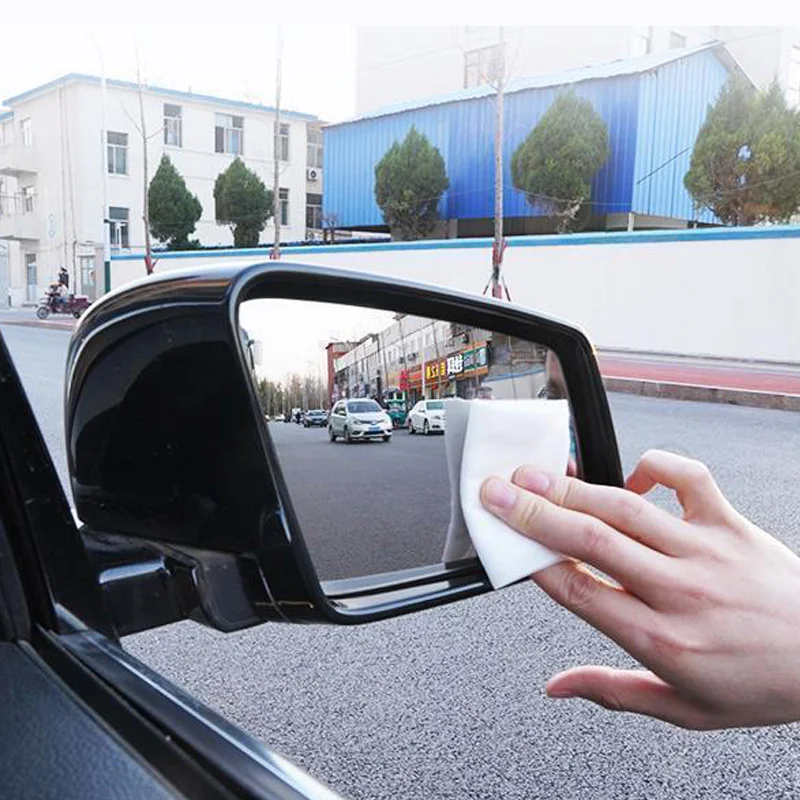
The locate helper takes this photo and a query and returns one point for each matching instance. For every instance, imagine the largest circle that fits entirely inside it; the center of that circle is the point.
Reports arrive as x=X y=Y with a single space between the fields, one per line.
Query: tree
x=557 y=161
x=243 y=203
x=174 y=210
x=745 y=166
x=409 y=182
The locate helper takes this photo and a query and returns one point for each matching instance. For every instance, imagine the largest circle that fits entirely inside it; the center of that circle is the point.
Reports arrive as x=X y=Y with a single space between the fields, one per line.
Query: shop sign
x=475 y=358
x=435 y=370
x=455 y=364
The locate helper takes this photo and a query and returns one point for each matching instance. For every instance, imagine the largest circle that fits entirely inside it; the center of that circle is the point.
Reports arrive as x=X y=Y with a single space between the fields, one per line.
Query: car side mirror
x=236 y=521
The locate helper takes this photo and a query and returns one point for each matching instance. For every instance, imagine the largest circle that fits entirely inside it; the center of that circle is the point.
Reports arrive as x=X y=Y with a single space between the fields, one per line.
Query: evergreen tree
x=409 y=182
x=243 y=203
x=557 y=161
x=173 y=209
x=745 y=167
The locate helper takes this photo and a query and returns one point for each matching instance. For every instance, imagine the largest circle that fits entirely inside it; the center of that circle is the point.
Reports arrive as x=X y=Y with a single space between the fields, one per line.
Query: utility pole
x=276 y=192
x=499 y=244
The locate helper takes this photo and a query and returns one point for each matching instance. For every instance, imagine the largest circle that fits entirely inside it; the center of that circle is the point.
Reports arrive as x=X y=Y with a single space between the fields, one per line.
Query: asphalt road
x=448 y=703
x=370 y=506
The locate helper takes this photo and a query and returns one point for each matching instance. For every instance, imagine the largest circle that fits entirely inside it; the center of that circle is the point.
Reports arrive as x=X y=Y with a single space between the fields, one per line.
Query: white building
x=403 y=64
x=52 y=164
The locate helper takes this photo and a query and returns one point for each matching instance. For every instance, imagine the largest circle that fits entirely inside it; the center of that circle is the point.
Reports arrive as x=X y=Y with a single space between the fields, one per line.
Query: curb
x=703 y=394
x=30 y=323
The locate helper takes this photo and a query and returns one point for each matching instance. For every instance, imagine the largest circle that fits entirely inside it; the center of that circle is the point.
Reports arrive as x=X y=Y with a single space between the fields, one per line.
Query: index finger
x=640 y=569
x=623 y=510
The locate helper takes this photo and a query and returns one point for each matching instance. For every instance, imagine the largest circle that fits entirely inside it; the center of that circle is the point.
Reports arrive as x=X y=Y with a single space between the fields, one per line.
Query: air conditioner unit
x=312 y=174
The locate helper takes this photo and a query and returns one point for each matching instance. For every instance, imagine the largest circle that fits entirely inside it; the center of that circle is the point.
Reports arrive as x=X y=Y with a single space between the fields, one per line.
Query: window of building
x=28 y=195
x=5 y=133
x=314 y=212
x=793 y=78
x=314 y=148
x=117 y=153
x=283 y=142
x=173 y=130
x=26 y=131
x=118 y=227
x=640 y=42
x=481 y=66
x=676 y=41
x=284 y=205
x=229 y=134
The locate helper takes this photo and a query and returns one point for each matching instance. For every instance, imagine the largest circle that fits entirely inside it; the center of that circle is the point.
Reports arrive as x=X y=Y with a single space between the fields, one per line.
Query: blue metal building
x=653 y=106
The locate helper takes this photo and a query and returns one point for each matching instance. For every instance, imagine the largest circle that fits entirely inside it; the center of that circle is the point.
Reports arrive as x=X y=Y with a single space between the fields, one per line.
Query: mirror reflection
x=356 y=404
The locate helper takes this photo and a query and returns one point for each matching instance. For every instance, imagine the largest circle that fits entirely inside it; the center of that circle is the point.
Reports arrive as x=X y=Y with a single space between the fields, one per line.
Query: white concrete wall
x=682 y=293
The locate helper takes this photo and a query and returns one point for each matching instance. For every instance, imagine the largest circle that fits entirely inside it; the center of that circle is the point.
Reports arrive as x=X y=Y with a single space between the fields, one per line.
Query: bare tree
x=276 y=191
x=141 y=128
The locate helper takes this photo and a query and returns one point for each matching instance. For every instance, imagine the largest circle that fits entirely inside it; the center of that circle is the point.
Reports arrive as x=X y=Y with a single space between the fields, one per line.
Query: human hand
x=709 y=602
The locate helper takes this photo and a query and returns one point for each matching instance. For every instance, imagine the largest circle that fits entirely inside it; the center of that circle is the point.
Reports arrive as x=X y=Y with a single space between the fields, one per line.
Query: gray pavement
x=448 y=703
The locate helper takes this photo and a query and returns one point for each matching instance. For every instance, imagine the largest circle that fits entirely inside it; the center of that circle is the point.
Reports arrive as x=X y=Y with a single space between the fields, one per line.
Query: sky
x=230 y=49
x=288 y=347
x=318 y=61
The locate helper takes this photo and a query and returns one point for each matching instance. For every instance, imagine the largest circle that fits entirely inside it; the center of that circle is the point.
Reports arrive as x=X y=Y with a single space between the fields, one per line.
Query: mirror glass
x=355 y=402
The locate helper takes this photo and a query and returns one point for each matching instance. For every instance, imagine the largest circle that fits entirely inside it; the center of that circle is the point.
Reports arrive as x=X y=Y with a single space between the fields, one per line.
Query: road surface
x=448 y=703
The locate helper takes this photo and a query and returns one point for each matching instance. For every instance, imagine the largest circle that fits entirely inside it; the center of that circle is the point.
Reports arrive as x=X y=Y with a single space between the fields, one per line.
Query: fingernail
x=532 y=480
x=558 y=694
x=499 y=494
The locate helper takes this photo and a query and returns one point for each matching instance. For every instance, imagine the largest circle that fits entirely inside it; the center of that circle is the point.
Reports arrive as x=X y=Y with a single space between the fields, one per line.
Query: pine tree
x=557 y=161
x=409 y=182
x=243 y=203
x=173 y=209
x=745 y=166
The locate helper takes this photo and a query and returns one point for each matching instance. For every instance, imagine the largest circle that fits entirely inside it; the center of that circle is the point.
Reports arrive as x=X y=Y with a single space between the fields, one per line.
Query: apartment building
x=55 y=170
x=412 y=64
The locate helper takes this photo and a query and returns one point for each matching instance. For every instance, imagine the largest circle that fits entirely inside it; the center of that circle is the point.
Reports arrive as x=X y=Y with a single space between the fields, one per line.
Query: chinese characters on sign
x=455 y=364
x=466 y=362
x=435 y=370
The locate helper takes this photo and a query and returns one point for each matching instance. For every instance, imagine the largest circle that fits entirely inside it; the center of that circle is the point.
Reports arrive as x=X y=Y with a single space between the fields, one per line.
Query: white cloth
x=458 y=544
x=499 y=436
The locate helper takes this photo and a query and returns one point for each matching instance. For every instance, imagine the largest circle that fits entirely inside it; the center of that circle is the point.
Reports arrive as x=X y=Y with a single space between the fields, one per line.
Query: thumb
x=635 y=691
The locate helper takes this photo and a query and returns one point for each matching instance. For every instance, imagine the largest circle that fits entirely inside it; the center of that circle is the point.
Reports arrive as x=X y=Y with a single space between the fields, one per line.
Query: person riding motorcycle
x=56 y=293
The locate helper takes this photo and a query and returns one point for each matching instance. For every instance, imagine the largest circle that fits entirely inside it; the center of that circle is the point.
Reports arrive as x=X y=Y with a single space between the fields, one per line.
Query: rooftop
x=608 y=69
x=76 y=77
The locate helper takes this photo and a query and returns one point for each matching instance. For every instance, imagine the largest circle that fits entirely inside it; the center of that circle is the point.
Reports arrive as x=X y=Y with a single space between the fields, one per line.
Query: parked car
x=427 y=416
x=315 y=418
x=357 y=420
x=278 y=418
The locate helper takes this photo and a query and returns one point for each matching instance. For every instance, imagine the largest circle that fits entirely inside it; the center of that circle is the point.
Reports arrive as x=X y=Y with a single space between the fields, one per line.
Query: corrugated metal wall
x=672 y=107
x=640 y=111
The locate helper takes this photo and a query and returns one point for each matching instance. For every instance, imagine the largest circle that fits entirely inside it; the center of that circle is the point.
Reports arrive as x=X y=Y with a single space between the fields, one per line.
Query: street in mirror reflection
x=356 y=402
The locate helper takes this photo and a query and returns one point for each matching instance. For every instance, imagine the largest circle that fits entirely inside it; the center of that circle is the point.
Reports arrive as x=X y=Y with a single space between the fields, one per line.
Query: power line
x=661 y=166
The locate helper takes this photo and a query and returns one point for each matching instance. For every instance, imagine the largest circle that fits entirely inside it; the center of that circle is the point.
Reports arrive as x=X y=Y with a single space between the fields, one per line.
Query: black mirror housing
x=167 y=445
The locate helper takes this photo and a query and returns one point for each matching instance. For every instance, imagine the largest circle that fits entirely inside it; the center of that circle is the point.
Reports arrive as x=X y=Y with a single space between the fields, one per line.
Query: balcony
x=18 y=161
x=19 y=227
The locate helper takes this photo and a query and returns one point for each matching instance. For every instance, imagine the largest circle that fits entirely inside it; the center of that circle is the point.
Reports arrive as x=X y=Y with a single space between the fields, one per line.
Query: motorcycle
x=74 y=304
